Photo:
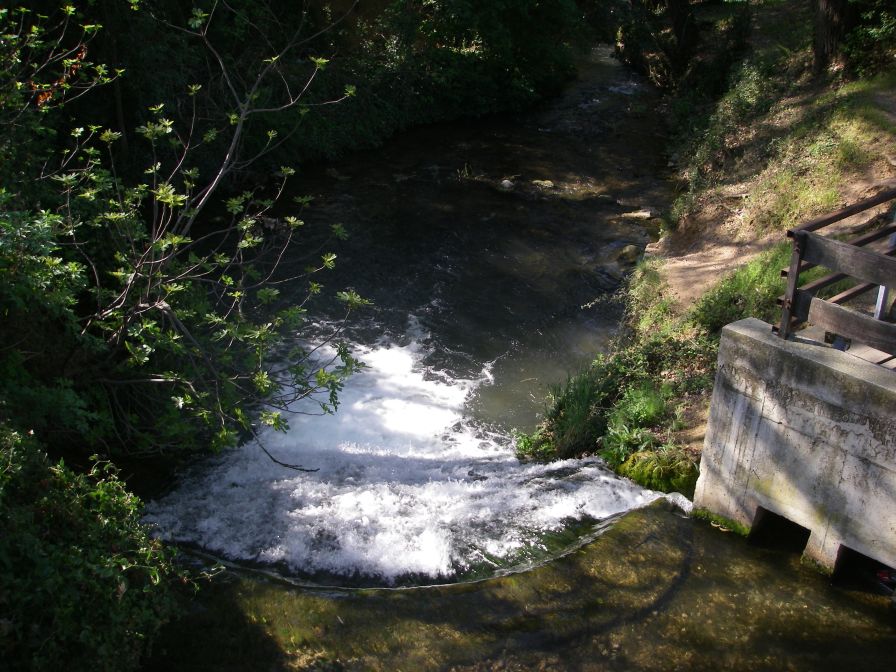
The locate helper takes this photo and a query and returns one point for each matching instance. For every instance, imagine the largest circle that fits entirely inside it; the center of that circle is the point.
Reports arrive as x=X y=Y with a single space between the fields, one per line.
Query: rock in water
x=629 y=254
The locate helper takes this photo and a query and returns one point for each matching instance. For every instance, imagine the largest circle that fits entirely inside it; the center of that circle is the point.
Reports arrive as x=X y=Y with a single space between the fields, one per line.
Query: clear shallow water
x=483 y=297
x=656 y=592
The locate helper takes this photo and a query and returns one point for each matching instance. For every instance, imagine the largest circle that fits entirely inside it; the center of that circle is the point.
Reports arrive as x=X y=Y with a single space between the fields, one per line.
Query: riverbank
x=777 y=147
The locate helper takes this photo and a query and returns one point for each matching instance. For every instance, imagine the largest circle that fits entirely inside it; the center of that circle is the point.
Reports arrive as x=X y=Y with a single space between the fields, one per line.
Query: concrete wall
x=806 y=432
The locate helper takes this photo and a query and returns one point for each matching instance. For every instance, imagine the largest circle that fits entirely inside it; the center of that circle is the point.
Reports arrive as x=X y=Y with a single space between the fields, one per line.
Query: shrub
x=82 y=585
x=574 y=419
x=642 y=405
x=869 y=45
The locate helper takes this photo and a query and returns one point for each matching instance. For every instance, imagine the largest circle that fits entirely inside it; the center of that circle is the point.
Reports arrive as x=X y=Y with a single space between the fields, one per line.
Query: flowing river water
x=489 y=249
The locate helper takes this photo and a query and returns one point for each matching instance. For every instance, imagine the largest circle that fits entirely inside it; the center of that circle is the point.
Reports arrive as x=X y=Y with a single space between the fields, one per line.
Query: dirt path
x=690 y=270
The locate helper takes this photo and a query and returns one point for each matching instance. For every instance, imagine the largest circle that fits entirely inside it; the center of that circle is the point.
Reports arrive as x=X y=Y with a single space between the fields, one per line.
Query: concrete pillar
x=806 y=432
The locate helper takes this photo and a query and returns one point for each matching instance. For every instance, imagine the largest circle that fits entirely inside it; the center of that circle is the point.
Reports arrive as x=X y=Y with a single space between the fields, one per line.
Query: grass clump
x=648 y=307
x=622 y=440
x=577 y=411
x=668 y=468
x=751 y=291
x=642 y=405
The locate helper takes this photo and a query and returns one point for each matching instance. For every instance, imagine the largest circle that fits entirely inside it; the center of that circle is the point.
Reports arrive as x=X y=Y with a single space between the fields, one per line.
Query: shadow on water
x=216 y=633
x=658 y=591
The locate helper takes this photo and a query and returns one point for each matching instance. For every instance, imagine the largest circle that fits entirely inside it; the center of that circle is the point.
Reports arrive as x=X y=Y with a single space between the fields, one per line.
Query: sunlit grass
x=783 y=198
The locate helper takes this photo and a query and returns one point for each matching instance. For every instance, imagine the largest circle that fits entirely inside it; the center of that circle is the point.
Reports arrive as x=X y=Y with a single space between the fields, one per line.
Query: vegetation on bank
x=83 y=584
x=780 y=143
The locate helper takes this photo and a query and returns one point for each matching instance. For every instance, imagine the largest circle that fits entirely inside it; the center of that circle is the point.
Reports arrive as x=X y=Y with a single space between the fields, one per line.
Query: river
x=490 y=249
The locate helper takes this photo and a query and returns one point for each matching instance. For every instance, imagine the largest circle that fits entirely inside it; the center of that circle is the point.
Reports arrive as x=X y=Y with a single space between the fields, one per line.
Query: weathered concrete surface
x=806 y=432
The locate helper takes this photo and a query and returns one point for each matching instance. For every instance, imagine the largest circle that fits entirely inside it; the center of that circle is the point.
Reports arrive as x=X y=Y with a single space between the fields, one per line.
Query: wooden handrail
x=851 y=259
x=887 y=194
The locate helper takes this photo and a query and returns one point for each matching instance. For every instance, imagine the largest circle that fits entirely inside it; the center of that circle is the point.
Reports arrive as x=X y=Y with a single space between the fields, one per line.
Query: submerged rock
x=629 y=254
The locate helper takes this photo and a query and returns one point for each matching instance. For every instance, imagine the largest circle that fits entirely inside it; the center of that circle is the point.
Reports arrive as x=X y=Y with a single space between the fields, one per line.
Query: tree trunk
x=832 y=19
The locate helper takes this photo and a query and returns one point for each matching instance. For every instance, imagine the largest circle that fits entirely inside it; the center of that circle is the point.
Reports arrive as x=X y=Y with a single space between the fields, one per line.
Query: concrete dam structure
x=805 y=432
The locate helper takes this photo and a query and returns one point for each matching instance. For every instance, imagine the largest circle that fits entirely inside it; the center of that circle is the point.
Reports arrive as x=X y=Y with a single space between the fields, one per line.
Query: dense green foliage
x=658 y=37
x=407 y=62
x=82 y=585
x=870 y=45
x=133 y=326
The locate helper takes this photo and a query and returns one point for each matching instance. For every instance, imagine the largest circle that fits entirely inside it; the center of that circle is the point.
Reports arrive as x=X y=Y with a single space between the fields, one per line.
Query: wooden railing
x=872 y=268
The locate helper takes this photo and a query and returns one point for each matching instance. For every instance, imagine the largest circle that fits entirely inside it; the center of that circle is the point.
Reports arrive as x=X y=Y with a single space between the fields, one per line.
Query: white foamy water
x=406 y=485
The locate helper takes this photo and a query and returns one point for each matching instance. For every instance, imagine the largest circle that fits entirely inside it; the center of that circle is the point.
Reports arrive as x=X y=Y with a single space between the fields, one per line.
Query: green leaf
x=167 y=195
x=235 y=205
x=267 y=295
x=197 y=19
x=262 y=381
x=171 y=240
x=249 y=241
x=275 y=420
x=352 y=299
x=339 y=231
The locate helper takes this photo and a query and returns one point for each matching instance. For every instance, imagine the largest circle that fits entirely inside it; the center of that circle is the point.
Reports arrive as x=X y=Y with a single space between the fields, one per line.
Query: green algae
x=721 y=522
